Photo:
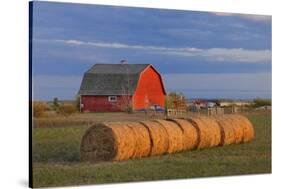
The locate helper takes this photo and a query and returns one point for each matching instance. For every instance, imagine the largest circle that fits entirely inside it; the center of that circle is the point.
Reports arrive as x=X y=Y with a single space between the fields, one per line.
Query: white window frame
x=112 y=100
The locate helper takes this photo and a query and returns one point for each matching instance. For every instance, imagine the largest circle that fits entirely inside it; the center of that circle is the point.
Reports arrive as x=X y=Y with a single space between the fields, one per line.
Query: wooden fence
x=215 y=111
x=176 y=113
x=181 y=113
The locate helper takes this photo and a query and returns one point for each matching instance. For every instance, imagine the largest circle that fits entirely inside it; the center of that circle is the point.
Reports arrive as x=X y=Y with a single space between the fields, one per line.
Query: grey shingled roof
x=111 y=79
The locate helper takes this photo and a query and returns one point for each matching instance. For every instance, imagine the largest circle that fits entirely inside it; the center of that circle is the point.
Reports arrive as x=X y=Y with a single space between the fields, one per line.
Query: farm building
x=115 y=87
x=234 y=103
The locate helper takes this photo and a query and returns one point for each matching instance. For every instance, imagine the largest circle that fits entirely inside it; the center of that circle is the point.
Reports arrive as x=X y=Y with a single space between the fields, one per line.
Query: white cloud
x=252 y=17
x=212 y=54
x=123 y=46
x=226 y=55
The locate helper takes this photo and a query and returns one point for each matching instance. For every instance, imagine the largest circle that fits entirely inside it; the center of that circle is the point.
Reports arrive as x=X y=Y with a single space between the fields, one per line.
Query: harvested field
x=56 y=159
x=91 y=118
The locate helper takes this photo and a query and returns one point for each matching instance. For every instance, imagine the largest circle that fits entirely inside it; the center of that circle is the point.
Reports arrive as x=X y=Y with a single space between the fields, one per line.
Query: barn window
x=112 y=98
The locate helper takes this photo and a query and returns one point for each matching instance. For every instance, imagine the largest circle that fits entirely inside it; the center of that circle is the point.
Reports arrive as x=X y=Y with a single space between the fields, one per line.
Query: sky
x=201 y=54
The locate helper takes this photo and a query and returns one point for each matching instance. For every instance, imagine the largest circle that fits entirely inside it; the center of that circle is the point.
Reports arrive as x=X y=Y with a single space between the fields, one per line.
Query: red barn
x=114 y=87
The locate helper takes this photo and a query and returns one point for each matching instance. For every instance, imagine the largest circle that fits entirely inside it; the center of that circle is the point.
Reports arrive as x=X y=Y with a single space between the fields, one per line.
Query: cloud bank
x=239 y=85
x=252 y=17
x=212 y=54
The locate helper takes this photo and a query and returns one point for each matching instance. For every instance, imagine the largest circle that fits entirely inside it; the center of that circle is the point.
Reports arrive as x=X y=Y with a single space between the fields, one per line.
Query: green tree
x=56 y=103
x=258 y=102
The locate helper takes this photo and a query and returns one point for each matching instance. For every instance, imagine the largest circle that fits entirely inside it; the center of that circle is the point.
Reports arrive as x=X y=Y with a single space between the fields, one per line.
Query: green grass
x=56 y=159
x=57 y=144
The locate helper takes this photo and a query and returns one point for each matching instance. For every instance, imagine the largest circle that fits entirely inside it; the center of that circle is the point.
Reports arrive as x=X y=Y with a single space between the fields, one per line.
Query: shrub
x=38 y=108
x=55 y=103
x=77 y=103
x=175 y=101
x=125 y=104
x=66 y=109
x=261 y=102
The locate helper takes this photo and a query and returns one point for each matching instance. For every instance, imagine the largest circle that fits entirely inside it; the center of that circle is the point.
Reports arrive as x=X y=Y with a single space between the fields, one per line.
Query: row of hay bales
x=125 y=140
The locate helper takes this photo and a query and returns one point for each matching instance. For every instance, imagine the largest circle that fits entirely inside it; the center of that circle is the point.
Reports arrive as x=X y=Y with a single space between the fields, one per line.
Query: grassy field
x=56 y=159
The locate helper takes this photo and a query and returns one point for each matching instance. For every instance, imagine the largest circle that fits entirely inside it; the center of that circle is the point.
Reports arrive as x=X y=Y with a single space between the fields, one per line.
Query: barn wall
x=101 y=104
x=149 y=90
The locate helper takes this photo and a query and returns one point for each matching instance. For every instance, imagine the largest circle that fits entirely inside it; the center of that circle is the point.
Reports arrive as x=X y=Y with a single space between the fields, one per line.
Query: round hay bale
x=158 y=136
x=205 y=138
x=175 y=135
x=125 y=139
x=227 y=130
x=190 y=134
x=107 y=141
x=247 y=127
x=143 y=143
x=214 y=130
x=98 y=144
x=237 y=126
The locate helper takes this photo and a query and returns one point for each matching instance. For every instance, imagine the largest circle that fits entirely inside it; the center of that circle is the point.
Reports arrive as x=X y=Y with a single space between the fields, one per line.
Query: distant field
x=89 y=118
x=56 y=159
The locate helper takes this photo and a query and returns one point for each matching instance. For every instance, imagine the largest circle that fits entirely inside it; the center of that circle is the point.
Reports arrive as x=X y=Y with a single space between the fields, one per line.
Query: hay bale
x=107 y=141
x=190 y=134
x=125 y=139
x=214 y=130
x=175 y=135
x=158 y=136
x=98 y=144
x=227 y=130
x=205 y=138
x=237 y=127
x=142 y=137
x=247 y=127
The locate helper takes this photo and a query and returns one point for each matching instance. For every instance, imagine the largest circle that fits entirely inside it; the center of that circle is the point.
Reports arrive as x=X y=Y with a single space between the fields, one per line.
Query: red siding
x=100 y=104
x=149 y=91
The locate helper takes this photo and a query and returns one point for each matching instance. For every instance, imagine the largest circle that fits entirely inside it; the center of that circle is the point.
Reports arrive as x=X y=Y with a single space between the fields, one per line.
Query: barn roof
x=111 y=79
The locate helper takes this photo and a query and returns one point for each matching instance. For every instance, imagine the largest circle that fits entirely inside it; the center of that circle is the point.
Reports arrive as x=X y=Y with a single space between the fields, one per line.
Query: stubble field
x=56 y=160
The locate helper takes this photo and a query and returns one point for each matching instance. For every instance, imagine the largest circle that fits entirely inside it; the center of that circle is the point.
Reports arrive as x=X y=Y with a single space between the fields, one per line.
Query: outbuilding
x=116 y=87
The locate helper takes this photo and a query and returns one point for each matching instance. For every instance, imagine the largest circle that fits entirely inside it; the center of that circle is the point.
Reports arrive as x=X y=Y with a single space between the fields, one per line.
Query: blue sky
x=202 y=54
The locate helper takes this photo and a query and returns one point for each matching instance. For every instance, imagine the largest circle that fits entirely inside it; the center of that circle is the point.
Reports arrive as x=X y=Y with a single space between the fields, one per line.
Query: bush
x=258 y=102
x=38 y=109
x=77 y=103
x=175 y=101
x=125 y=104
x=55 y=104
x=66 y=109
